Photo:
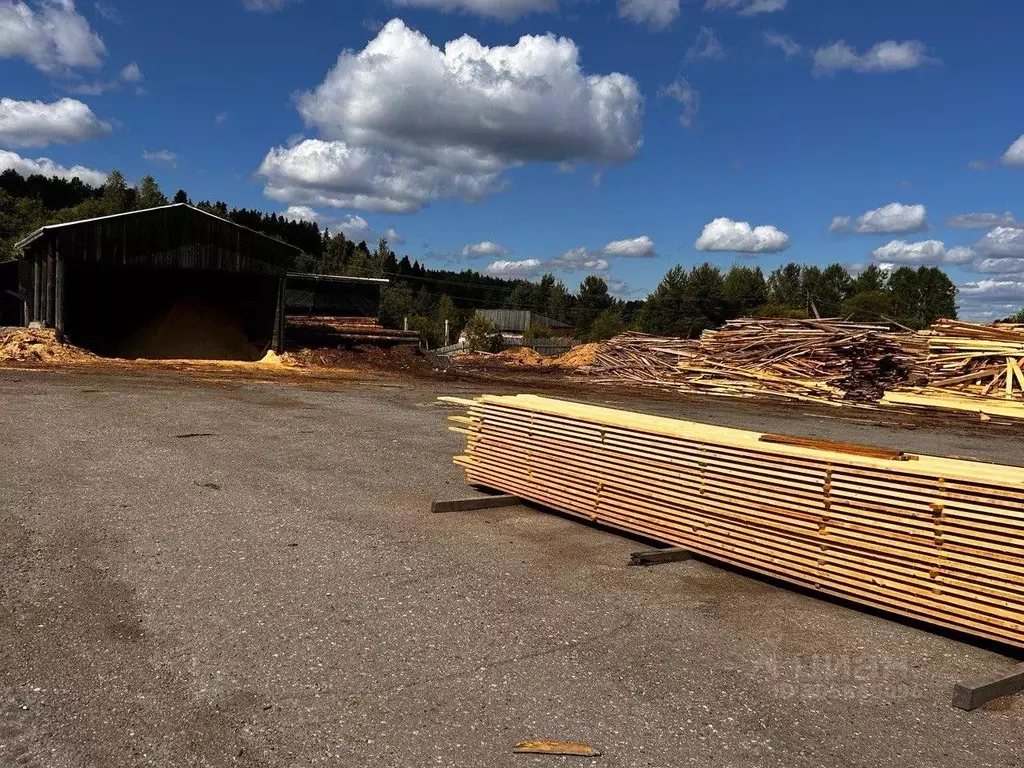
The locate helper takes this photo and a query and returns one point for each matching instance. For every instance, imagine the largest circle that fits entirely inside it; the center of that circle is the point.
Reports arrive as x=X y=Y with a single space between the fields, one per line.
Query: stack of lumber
x=821 y=360
x=935 y=539
x=968 y=367
x=331 y=331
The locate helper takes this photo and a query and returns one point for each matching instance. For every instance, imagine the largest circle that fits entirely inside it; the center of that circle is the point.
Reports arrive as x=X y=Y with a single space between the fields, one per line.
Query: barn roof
x=300 y=276
x=176 y=235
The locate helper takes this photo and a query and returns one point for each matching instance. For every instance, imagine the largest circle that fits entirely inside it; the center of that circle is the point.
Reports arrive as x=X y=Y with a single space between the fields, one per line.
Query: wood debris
x=935 y=539
x=966 y=367
x=821 y=360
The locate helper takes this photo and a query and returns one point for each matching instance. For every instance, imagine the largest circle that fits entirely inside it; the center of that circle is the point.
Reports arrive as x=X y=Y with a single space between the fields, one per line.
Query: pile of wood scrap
x=821 y=360
x=344 y=331
x=968 y=367
x=935 y=539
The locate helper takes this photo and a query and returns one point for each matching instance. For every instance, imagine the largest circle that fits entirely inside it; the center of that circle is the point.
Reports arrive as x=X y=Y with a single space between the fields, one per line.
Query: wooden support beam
x=58 y=314
x=37 y=289
x=279 y=321
x=658 y=556
x=478 y=502
x=972 y=695
x=51 y=279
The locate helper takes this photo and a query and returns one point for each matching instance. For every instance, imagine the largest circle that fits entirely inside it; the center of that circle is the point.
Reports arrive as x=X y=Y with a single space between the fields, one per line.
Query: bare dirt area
x=218 y=571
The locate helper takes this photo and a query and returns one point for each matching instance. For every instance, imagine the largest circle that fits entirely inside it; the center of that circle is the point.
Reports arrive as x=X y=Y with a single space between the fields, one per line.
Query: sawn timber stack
x=935 y=539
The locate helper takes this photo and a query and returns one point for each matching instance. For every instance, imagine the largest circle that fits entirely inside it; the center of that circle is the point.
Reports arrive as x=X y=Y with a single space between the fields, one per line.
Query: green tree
x=592 y=300
x=745 y=290
x=666 y=307
x=482 y=335
x=396 y=304
x=867 y=306
x=117 y=195
x=919 y=297
x=706 y=297
x=871 y=278
x=538 y=331
x=553 y=299
x=606 y=325
x=824 y=289
x=149 y=195
x=785 y=287
x=181 y=197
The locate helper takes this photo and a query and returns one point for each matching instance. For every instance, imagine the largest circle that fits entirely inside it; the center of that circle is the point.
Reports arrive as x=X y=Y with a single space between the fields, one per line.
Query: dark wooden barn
x=172 y=281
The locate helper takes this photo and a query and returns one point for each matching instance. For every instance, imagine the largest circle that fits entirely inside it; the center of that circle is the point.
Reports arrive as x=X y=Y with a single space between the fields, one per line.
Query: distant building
x=515 y=322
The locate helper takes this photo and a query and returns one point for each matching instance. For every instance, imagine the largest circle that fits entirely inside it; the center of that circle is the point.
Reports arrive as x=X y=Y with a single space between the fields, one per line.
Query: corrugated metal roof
x=337 y=278
x=50 y=227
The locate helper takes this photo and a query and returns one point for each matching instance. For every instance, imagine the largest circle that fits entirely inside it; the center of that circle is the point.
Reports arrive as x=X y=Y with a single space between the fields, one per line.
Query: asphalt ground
x=204 y=573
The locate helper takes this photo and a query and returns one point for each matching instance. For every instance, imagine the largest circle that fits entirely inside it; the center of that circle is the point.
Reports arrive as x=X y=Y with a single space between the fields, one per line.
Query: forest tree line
x=685 y=302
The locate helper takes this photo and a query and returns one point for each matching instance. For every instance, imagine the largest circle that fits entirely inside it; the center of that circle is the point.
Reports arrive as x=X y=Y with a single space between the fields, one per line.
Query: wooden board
x=940 y=540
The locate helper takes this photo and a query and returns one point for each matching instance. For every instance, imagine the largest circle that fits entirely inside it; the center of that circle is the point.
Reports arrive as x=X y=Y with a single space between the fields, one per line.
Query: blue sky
x=645 y=133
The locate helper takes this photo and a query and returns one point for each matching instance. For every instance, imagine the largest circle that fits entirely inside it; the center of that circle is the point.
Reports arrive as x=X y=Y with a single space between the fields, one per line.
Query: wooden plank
x=659 y=556
x=479 y=502
x=969 y=696
x=940 y=540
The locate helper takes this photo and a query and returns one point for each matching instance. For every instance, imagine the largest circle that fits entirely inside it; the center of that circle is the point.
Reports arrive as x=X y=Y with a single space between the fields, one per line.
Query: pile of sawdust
x=38 y=345
x=274 y=360
x=578 y=357
x=521 y=356
x=190 y=330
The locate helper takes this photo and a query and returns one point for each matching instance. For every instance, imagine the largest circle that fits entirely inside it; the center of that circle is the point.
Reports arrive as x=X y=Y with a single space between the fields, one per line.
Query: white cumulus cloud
x=894 y=218
x=37 y=124
x=930 y=252
x=981 y=220
x=507 y=10
x=994 y=289
x=47 y=167
x=301 y=213
x=393 y=236
x=1001 y=265
x=888 y=56
x=656 y=14
x=746 y=7
x=1002 y=242
x=514 y=269
x=486 y=249
x=1014 y=156
x=403 y=123
x=738 y=236
x=636 y=248
x=49 y=34
x=578 y=259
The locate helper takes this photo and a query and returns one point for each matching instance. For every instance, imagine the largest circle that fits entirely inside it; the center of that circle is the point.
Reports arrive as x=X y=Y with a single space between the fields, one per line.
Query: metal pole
x=446 y=340
x=405 y=325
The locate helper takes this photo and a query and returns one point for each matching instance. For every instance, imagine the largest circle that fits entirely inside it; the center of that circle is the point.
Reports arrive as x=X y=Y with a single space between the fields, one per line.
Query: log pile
x=821 y=360
x=345 y=331
x=939 y=540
